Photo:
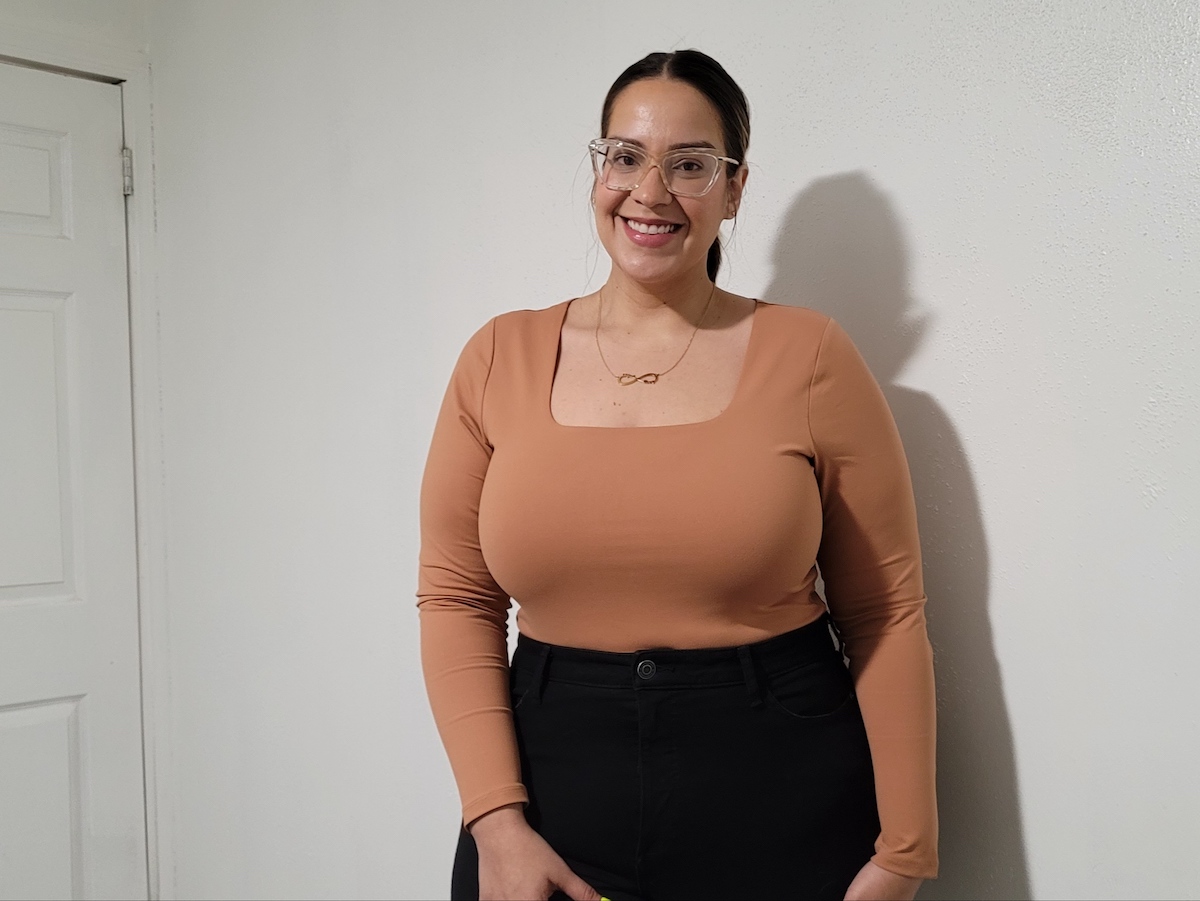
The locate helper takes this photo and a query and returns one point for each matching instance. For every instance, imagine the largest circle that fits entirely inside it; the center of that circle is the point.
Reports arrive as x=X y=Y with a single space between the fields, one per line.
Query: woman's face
x=660 y=115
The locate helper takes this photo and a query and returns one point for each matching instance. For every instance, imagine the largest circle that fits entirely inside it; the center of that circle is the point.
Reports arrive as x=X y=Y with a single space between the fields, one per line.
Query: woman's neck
x=634 y=306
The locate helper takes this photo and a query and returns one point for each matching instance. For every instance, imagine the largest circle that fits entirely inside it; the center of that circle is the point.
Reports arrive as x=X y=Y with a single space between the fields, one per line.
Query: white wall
x=1000 y=202
x=117 y=24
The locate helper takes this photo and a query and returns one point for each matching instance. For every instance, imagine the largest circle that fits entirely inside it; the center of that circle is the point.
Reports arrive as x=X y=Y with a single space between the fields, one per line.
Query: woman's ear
x=737 y=184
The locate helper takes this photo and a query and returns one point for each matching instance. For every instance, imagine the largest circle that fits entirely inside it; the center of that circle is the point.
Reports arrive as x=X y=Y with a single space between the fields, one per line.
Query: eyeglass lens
x=683 y=171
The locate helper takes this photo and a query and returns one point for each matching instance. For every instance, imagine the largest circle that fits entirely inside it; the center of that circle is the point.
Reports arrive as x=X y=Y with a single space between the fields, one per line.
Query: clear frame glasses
x=689 y=172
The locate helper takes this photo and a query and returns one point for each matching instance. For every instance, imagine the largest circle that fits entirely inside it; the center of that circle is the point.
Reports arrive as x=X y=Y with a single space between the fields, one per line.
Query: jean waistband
x=674 y=667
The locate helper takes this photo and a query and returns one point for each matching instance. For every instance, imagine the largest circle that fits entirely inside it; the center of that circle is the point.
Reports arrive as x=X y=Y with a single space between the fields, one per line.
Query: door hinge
x=126 y=171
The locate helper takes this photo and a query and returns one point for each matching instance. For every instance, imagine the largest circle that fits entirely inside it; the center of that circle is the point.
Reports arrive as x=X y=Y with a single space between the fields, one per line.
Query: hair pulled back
x=708 y=77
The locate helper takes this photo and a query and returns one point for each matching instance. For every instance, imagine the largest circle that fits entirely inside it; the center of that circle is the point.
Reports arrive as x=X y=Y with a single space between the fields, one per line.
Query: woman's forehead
x=664 y=113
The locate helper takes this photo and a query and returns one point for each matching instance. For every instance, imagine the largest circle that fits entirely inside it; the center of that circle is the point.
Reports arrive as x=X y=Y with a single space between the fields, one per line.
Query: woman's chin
x=649 y=270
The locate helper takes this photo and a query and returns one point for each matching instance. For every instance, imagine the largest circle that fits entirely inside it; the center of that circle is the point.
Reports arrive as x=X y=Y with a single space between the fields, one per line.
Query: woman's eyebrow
x=686 y=144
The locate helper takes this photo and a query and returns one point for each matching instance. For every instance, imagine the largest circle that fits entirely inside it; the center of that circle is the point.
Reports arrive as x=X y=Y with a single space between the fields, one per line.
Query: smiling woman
x=639 y=177
x=659 y=472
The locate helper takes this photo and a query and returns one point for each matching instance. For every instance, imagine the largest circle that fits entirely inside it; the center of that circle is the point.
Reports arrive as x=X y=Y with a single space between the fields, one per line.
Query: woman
x=655 y=472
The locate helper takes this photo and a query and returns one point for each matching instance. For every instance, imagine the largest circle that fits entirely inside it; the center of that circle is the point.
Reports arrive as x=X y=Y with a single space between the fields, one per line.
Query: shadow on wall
x=842 y=251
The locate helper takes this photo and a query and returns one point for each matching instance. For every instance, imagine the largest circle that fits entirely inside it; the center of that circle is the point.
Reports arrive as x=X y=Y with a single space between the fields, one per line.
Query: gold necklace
x=646 y=378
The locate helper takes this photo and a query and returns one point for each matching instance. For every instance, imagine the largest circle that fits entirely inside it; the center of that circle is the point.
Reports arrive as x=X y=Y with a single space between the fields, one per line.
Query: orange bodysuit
x=708 y=534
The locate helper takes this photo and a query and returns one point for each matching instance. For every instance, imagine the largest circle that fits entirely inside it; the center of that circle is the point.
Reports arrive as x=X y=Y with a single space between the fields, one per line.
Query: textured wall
x=116 y=23
x=1000 y=202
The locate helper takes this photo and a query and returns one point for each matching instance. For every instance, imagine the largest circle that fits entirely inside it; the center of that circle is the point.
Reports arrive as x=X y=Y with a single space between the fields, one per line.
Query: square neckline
x=738 y=390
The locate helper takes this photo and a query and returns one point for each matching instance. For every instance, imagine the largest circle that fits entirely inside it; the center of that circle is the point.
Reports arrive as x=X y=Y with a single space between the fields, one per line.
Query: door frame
x=46 y=49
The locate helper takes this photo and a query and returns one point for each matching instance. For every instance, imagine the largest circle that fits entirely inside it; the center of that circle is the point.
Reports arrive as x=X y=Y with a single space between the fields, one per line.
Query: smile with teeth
x=651 y=229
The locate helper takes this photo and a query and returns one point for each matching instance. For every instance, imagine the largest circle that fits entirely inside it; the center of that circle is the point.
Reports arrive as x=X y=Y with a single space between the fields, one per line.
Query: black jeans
x=714 y=773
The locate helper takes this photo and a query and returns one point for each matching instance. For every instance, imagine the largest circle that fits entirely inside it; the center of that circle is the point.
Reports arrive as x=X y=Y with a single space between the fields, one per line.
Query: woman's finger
x=577 y=888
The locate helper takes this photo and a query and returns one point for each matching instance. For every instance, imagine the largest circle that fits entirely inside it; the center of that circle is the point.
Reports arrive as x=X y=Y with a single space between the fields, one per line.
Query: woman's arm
x=870 y=559
x=463 y=612
x=464 y=648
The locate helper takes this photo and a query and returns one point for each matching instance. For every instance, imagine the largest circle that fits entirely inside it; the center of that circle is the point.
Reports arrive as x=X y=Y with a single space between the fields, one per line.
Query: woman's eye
x=689 y=166
x=625 y=160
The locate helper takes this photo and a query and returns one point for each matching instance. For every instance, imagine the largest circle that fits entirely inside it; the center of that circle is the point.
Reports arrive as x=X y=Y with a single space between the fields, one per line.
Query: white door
x=72 y=809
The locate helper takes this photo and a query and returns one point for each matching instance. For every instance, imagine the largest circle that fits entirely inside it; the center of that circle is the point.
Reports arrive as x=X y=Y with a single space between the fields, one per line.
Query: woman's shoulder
x=800 y=318
x=799 y=332
x=532 y=317
x=519 y=321
x=516 y=325
x=805 y=341
x=515 y=332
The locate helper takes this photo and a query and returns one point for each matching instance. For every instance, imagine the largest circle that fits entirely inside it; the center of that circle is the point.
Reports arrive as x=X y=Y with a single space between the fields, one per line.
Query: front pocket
x=519 y=683
x=810 y=691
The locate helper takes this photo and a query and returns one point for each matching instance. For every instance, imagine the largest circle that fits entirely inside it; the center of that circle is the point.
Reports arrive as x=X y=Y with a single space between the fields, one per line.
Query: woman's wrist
x=502 y=819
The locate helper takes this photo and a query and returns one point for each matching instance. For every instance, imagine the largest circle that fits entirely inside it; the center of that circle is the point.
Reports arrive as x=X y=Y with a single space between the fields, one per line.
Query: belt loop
x=539 y=672
x=751 y=676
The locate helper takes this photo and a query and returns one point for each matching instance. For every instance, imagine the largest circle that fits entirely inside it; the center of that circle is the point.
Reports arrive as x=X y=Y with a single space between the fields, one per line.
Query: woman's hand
x=874 y=883
x=517 y=864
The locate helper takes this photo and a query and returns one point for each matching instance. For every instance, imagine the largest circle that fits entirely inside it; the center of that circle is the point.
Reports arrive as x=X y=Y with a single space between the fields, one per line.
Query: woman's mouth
x=647 y=229
x=645 y=234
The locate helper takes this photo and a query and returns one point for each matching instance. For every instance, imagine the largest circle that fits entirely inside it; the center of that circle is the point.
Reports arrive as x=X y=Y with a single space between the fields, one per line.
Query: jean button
x=646 y=669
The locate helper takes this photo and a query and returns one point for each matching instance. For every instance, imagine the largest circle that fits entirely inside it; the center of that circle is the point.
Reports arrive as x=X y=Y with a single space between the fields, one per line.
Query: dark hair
x=707 y=76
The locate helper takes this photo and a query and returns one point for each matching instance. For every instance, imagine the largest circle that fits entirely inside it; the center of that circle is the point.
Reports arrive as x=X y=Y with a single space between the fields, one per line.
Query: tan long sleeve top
x=699 y=535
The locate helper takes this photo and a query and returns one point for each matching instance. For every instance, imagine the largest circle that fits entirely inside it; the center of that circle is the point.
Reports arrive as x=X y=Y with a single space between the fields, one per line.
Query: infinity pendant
x=628 y=378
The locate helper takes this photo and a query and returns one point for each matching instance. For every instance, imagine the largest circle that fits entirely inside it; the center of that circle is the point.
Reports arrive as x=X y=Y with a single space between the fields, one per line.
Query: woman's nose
x=652 y=187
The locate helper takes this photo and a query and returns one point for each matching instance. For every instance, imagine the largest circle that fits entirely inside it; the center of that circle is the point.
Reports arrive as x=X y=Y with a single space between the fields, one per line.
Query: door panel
x=39 y=764
x=71 y=786
x=31 y=527
x=35 y=185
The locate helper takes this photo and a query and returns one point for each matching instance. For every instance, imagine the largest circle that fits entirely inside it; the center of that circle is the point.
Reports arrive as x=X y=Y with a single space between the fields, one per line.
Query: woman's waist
x=665 y=663
x=624 y=613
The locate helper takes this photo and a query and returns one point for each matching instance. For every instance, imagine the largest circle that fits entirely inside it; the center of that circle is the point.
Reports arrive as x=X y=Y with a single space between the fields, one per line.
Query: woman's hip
x=798 y=678
x=755 y=753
